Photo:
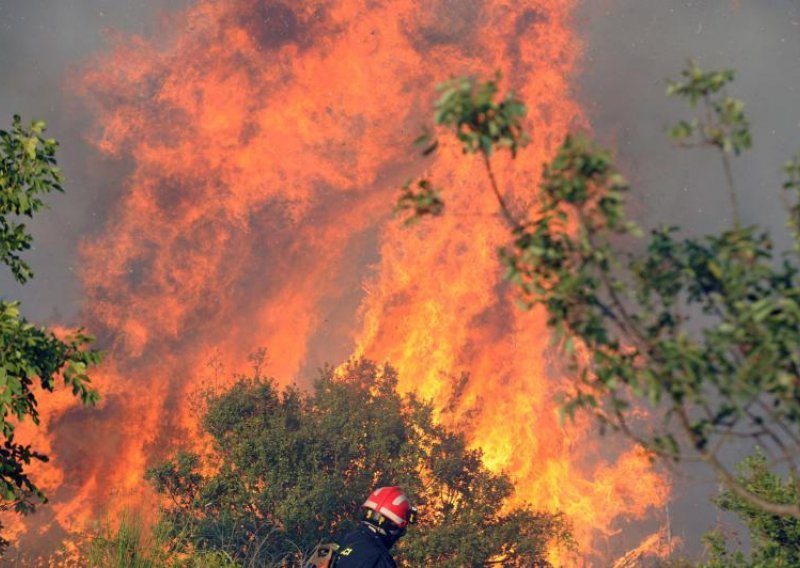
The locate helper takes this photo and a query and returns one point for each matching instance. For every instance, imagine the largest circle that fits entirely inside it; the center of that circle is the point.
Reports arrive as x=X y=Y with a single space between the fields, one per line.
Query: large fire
x=262 y=143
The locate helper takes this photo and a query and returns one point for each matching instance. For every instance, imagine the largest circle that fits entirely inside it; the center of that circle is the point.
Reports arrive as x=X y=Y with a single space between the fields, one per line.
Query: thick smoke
x=41 y=43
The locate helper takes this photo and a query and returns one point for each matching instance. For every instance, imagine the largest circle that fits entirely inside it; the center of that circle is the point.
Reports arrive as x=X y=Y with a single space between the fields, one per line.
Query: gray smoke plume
x=41 y=42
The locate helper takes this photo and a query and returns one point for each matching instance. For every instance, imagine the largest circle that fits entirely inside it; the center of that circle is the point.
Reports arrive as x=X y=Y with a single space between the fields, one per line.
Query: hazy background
x=41 y=44
x=631 y=46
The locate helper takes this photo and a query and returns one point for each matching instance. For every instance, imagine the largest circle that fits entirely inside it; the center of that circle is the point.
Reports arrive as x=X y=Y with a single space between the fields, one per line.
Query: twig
x=726 y=165
x=512 y=221
x=730 y=481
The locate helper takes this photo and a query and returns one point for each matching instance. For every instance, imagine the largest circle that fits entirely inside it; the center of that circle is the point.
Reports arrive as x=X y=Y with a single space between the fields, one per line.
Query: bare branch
x=728 y=479
x=507 y=214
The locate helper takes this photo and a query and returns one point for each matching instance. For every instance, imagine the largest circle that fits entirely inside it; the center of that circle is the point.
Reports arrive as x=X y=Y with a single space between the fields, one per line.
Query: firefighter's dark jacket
x=362 y=548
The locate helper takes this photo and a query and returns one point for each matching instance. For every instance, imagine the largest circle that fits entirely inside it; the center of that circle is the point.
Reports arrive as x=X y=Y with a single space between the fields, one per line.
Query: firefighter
x=386 y=515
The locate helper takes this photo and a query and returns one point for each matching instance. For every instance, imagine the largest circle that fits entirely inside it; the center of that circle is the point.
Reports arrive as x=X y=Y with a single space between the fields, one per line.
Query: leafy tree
x=292 y=469
x=31 y=357
x=774 y=539
x=703 y=331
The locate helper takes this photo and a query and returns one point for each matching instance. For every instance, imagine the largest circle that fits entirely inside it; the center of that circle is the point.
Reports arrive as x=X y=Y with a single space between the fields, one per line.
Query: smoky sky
x=631 y=47
x=634 y=46
x=42 y=45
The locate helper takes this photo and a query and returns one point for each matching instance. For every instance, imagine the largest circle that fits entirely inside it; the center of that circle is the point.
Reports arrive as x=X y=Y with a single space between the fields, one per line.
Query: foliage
x=292 y=469
x=32 y=356
x=129 y=545
x=480 y=124
x=132 y=544
x=424 y=199
x=703 y=331
x=774 y=540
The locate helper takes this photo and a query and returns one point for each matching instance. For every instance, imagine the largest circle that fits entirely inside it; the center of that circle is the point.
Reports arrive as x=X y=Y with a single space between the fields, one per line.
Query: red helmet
x=389 y=503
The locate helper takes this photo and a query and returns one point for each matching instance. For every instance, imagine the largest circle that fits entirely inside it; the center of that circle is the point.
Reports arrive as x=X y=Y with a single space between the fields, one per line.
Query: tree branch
x=730 y=481
x=509 y=217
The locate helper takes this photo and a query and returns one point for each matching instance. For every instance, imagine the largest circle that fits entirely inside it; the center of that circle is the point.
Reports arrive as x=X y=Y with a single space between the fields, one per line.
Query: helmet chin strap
x=388 y=538
x=373 y=528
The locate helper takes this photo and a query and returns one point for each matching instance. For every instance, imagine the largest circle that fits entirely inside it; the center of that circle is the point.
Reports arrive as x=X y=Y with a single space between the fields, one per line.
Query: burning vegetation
x=261 y=142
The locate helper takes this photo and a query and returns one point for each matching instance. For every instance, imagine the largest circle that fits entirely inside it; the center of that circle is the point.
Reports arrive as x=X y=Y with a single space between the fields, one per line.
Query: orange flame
x=658 y=545
x=263 y=141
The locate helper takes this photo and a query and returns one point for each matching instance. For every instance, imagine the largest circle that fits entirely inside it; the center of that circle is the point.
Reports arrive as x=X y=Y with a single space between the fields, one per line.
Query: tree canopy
x=774 y=539
x=291 y=469
x=31 y=357
x=702 y=332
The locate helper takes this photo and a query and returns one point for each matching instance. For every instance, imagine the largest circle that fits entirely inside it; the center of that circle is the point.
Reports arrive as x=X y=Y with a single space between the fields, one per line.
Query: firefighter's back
x=362 y=548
